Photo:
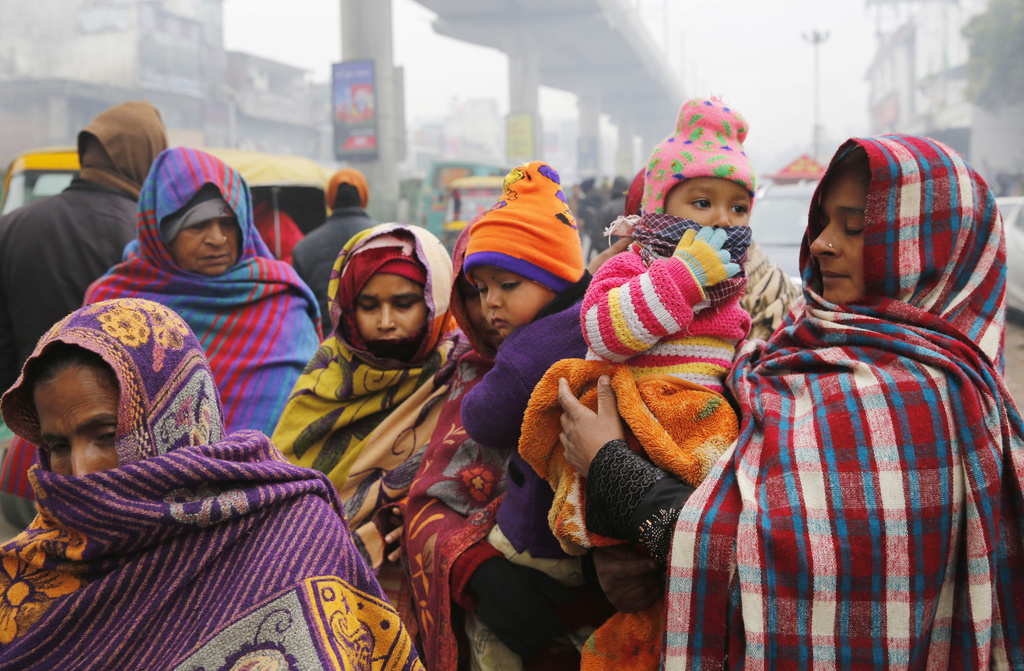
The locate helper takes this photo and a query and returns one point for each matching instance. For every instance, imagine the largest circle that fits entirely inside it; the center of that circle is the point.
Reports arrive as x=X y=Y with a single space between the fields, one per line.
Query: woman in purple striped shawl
x=160 y=543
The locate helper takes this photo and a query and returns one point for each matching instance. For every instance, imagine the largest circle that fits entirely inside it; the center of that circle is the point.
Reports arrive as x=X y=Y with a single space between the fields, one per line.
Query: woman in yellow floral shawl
x=364 y=409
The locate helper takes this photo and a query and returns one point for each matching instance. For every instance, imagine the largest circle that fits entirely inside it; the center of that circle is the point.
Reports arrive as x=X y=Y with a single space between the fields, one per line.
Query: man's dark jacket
x=314 y=256
x=51 y=250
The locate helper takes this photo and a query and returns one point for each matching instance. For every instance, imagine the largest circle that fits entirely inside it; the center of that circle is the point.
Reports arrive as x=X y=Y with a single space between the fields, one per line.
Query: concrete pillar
x=366 y=34
x=590 y=134
x=524 y=99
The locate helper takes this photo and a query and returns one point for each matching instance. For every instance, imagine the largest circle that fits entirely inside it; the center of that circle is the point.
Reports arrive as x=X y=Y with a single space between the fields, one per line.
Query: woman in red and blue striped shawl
x=187 y=548
x=871 y=513
x=257 y=321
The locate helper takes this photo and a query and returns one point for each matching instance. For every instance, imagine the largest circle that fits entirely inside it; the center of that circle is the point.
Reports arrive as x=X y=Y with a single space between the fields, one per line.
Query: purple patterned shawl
x=197 y=552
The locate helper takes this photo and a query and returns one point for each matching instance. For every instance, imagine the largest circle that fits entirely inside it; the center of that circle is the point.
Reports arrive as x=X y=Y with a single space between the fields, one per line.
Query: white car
x=1012 y=209
x=778 y=221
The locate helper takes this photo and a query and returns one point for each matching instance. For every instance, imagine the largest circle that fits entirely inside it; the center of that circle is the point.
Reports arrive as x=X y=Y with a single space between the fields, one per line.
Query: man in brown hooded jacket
x=51 y=250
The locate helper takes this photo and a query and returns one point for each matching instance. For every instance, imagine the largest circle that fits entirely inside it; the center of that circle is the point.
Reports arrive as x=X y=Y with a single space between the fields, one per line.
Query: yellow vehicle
x=38 y=173
x=468 y=198
x=291 y=184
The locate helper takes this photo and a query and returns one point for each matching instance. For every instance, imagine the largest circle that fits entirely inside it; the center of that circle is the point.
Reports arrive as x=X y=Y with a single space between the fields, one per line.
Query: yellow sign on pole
x=520 y=137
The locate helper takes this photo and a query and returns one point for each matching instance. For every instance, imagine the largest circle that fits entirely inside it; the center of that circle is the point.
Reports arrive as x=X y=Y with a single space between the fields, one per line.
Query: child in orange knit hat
x=525 y=259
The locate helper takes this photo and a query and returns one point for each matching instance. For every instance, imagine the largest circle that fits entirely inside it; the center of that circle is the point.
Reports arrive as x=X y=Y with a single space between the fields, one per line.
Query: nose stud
x=831 y=246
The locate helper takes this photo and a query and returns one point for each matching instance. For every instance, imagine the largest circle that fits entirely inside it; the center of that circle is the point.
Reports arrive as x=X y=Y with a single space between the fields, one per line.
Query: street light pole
x=815 y=38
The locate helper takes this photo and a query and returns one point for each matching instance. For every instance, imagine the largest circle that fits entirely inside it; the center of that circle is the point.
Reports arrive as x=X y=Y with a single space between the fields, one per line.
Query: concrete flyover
x=597 y=49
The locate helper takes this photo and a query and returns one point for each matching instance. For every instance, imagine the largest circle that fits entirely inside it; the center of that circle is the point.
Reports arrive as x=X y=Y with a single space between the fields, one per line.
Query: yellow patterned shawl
x=363 y=421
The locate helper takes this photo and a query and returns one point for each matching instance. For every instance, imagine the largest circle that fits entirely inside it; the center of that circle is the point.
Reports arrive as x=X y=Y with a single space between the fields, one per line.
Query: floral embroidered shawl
x=454 y=498
x=871 y=513
x=197 y=551
x=364 y=421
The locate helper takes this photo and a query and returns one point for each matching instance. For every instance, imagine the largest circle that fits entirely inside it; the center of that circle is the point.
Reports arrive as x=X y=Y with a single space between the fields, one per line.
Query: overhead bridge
x=598 y=49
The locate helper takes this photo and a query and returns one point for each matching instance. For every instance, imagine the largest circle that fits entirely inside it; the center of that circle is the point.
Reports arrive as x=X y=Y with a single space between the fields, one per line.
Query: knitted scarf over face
x=656 y=236
x=215 y=547
x=870 y=514
x=365 y=421
x=257 y=322
x=454 y=498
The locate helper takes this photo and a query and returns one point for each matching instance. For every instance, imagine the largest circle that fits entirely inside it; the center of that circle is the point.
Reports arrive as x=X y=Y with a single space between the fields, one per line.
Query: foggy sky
x=750 y=52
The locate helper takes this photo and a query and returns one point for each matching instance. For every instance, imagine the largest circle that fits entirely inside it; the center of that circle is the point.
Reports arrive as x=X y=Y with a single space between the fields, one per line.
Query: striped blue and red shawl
x=258 y=322
x=197 y=551
x=871 y=513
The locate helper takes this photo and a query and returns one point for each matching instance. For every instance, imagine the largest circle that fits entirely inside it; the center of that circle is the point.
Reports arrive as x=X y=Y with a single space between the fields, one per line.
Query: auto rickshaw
x=293 y=186
x=287 y=194
x=38 y=173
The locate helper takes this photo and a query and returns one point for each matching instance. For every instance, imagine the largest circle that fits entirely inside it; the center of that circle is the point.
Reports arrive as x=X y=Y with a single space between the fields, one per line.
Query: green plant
x=995 y=69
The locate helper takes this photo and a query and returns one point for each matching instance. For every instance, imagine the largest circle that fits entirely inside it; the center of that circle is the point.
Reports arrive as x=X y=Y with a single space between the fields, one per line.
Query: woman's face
x=839 y=248
x=390 y=307
x=209 y=248
x=77 y=411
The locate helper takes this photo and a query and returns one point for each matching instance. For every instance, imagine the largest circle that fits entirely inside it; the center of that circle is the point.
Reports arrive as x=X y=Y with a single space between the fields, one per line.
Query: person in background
x=163 y=543
x=878 y=473
x=314 y=256
x=365 y=407
x=522 y=593
x=268 y=222
x=616 y=203
x=198 y=253
x=53 y=249
x=631 y=206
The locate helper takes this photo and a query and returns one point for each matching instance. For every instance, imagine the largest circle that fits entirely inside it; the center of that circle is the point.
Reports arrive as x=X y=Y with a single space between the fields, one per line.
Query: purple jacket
x=492 y=413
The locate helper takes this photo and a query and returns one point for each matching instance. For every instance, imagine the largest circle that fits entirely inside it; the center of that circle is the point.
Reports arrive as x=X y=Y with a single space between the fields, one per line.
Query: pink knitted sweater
x=656 y=320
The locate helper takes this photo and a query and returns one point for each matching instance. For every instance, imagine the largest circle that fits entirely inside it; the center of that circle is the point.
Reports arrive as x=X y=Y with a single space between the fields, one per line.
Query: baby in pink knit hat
x=669 y=304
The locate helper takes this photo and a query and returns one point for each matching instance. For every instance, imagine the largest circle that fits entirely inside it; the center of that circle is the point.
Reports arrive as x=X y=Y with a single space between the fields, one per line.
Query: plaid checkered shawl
x=870 y=514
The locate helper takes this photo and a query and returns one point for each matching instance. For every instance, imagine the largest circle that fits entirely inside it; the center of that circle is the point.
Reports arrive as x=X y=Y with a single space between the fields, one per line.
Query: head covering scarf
x=132 y=134
x=349 y=176
x=870 y=514
x=395 y=256
x=455 y=496
x=197 y=551
x=364 y=421
x=258 y=322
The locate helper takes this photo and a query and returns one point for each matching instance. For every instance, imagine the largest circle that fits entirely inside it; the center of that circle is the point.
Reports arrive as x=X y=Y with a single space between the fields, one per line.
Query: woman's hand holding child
x=584 y=431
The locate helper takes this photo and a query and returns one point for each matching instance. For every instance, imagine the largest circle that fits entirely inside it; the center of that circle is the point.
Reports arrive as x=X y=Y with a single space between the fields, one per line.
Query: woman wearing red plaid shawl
x=870 y=515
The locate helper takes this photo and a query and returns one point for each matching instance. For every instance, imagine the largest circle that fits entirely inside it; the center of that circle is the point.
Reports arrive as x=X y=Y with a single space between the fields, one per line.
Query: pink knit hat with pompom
x=707 y=142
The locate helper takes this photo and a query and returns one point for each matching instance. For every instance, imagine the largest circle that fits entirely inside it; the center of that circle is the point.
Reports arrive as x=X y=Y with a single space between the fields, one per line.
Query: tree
x=995 y=69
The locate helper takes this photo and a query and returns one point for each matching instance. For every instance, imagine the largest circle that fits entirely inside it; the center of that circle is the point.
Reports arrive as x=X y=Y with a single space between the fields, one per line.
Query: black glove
x=515 y=602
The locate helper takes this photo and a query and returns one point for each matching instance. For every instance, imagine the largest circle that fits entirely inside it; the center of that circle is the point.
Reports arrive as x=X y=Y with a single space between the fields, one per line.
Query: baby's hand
x=703 y=254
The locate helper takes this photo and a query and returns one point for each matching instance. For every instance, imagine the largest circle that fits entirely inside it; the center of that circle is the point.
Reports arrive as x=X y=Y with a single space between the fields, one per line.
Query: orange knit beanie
x=530 y=231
